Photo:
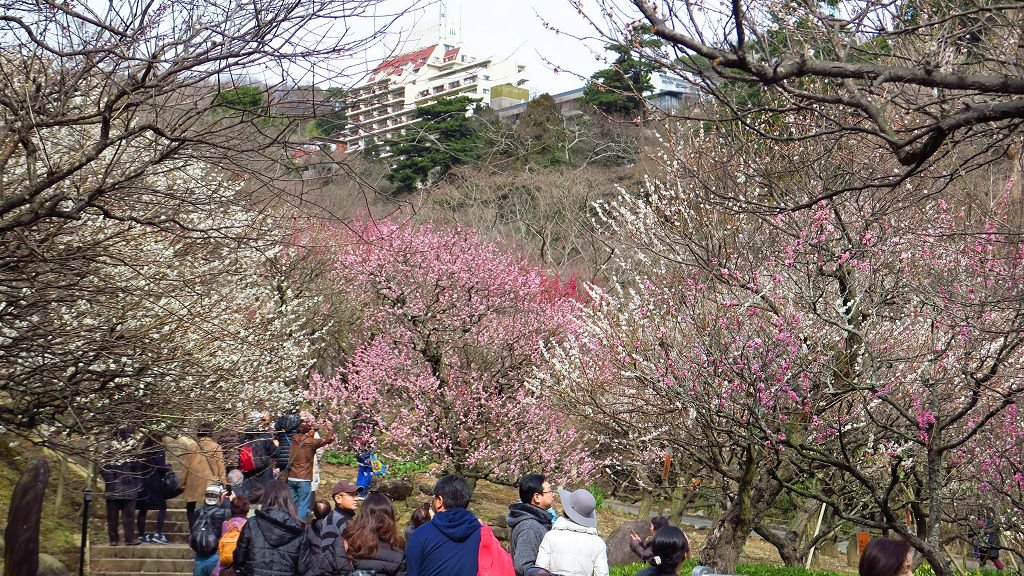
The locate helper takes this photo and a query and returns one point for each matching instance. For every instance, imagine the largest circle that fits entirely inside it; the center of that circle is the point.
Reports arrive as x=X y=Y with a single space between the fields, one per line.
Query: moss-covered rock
x=50 y=566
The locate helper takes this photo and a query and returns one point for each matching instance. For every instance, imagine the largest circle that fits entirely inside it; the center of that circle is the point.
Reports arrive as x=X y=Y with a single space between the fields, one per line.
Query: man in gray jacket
x=530 y=519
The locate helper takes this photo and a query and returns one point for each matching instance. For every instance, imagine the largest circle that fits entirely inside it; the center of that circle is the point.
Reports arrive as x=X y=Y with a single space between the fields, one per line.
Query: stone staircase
x=174 y=559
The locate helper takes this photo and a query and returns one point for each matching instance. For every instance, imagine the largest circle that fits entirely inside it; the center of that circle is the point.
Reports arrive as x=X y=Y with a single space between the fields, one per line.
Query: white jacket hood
x=573 y=550
x=564 y=523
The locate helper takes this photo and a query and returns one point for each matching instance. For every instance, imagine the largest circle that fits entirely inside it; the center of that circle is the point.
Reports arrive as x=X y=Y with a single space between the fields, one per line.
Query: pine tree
x=442 y=137
x=619 y=90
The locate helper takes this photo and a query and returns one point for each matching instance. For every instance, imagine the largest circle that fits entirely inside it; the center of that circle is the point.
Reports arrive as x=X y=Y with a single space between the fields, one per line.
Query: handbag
x=493 y=560
x=170 y=486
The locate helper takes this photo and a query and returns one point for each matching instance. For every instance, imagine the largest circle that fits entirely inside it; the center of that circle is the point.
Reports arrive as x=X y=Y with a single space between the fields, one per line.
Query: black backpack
x=204 y=536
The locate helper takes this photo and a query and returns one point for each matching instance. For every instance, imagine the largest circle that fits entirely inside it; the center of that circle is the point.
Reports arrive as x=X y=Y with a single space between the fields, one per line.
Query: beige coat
x=201 y=467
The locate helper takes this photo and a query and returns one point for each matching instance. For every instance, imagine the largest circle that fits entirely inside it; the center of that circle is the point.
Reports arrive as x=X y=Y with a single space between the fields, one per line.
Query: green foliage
x=242 y=99
x=441 y=137
x=598 y=495
x=394 y=468
x=372 y=149
x=771 y=570
x=925 y=569
x=743 y=569
x=328 y=124
x=332 y=122
x=407 y=468
x=619 y=90
x=338 y=458
x=540 y=131
x=632 y=569
x=627 y=569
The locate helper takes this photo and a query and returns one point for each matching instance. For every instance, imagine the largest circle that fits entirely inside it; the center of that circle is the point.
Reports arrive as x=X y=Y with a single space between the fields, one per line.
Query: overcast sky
x=513 y=29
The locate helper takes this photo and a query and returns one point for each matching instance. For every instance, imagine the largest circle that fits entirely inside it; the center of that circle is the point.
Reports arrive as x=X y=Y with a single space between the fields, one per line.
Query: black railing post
x=86 y=499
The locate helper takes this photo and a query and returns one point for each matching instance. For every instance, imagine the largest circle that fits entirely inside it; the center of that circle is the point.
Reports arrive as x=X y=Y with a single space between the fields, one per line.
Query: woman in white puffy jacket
x=572 y=546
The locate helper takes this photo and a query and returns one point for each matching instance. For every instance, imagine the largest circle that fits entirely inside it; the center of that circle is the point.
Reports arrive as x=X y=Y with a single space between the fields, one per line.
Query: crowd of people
x=259 y=518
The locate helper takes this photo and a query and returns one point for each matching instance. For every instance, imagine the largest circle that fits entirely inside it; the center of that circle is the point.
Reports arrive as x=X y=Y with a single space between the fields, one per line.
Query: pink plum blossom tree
x=450 y=327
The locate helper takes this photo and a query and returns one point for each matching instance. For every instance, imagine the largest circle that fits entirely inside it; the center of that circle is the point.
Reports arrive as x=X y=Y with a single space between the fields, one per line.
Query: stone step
x=142 y=565
x=98 y=573
x=175 y=538
x=169 y=525
x=162 y=551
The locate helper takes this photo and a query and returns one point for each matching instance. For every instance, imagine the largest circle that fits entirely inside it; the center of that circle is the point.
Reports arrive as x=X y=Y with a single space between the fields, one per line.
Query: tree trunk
x=787 y=545
x=755 y=495
x=61 y=473
x=791 y=549
x=935 y=483
x=681 y=499
x=645 y=504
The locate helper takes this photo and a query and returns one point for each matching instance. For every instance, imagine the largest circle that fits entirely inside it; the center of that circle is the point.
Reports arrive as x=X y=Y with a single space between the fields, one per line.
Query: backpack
x=253 y=455
x=228 y=543
x=246 y=459
x=493 y=560
x=169 y=485
x=203 y=539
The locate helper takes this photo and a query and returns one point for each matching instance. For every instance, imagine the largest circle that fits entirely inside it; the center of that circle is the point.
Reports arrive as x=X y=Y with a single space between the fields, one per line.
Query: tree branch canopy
x=918 y=77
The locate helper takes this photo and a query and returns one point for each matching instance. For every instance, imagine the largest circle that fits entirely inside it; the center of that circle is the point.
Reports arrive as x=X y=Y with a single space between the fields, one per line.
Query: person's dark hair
x=454 y=491
x=374 y=525
x=205 y=429
x=321 y=509
x=659 y=522
x=670 y=548
x=420 y=515
x=256 y=494
x=883 y=557
x=278 y=496
x=529 y=485
x=240 y=506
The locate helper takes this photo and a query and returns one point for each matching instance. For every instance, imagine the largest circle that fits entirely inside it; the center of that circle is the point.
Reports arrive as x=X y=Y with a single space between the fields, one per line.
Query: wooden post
x=862 y=542
x=810 y=553
x=62 y=469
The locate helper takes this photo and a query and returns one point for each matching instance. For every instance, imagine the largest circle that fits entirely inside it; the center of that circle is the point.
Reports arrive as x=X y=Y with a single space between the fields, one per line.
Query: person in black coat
x=669 y=549
x=154 y=468
x=642 y=546
x=370 y=542
x=273 y=542
x=283 y=429
x=262 y=446
x=122 y=486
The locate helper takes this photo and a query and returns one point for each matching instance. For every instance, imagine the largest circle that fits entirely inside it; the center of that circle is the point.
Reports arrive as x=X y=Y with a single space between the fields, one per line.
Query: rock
x=21 y=535
x=618 y=542
x=50 y=566
x=397 y=489
x=498 y=521
x=428 y=490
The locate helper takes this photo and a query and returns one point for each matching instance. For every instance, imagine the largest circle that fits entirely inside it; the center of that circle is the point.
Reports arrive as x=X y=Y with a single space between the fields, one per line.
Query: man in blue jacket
x=449 y=544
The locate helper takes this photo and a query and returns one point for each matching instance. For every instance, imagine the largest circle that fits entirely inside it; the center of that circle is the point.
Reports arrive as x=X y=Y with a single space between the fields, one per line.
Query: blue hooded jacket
x=448 y=545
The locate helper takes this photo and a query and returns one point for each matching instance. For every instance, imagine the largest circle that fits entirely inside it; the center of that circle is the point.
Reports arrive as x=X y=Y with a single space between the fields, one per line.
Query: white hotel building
x=383 y=105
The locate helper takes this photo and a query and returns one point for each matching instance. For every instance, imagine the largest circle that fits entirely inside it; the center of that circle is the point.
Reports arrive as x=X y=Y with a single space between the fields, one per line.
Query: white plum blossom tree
x=862 y=353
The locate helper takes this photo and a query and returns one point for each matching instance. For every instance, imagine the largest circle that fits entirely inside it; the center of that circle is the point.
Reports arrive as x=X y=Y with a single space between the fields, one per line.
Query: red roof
x=395 y=65
x=451 y=54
